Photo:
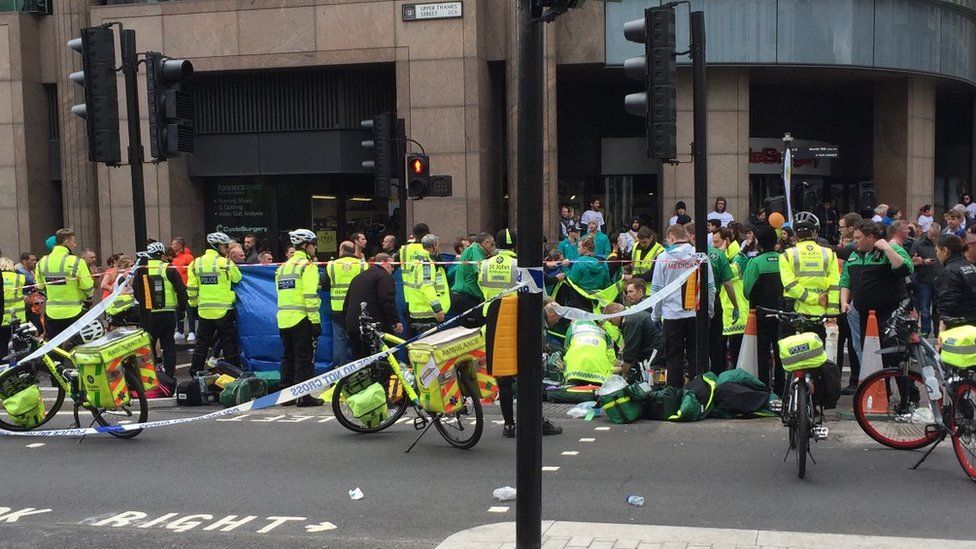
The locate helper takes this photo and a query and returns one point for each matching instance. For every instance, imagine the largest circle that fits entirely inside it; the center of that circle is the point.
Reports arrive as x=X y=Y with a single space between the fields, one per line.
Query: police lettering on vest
x=209 y=285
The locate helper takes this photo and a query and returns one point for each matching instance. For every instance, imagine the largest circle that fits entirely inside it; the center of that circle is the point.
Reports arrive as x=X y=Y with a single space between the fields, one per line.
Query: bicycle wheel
x=22 y=376
x=962 y=426
x=803 y=406
x=894 y=410
x=456 y=427
x=135 y=411
x=396 y=399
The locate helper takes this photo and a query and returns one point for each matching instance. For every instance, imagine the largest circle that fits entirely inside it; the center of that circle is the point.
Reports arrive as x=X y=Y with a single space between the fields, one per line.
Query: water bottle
x=931 y=383
x=636 y=501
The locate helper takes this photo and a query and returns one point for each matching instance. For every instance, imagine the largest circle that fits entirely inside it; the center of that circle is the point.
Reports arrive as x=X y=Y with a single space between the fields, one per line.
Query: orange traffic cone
x=749 y=352
x=876 y=395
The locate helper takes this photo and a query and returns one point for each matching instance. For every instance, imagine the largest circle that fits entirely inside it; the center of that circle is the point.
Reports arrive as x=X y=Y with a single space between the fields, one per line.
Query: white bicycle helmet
x=218 y=238
x=92 y=331
x=806 y=217
x=155 y=249
x=301 y=236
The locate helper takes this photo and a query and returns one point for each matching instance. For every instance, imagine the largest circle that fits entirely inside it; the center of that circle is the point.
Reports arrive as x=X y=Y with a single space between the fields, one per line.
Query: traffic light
x=441 y=185
x=381 y=148
x=418 y=175
x=101 y=108
x=656 y=69
x=170 y=108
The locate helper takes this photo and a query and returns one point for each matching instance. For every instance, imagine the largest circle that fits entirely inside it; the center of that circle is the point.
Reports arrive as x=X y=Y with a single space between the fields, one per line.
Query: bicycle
x=400 y=386
x=928 y=401
x=800 y=413
x=56 y=371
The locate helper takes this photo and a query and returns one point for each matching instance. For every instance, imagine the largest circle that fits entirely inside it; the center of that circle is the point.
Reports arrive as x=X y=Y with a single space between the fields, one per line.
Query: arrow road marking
x=320 y=527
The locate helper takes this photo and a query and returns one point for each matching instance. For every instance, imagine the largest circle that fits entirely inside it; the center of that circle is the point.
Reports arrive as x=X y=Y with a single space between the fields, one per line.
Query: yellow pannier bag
x=802 y=352
x=434 y=361
x=101 y=371
x=959 y=346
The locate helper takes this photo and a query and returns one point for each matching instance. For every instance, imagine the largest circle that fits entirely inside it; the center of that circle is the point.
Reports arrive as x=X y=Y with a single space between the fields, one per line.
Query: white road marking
x=35 y=445
x=320 y=527
x=586 y=439
x=571 y=453
x=326 y=420
x=601 y=428
x=498 y=509
x=236 y=418
x=498 y=421
x=269 y=419
x=550 y=468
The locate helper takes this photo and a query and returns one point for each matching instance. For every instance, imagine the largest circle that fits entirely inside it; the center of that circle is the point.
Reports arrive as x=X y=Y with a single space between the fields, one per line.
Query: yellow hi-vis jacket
x=341 y=272
x=807 y=271
x=65 y=280
x=497 y=274
x=297 y=281
x=424 y=299
x=13 y=299
x=644 y=261
x=208 y=285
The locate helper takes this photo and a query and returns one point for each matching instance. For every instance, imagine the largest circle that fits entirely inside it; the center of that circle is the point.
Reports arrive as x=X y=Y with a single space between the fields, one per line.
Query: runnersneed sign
x=438 y=10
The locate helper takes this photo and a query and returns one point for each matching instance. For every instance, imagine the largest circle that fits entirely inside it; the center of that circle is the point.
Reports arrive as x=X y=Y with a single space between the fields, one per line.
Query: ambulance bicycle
x=802 y=354
x=926 y=398
x=113 y=391
x=376 y=397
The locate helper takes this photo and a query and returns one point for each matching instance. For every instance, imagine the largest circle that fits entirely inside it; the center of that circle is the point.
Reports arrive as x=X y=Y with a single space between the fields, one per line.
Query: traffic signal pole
x=528 y=479
x=700 y=108
x=130 y=68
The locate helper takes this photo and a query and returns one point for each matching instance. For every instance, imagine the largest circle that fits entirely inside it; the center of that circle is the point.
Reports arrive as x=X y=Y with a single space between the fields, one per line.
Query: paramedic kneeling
x=589 y=354
x=641 y=337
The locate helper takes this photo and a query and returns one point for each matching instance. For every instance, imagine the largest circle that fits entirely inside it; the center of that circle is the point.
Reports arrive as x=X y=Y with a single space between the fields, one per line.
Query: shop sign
x=438 y=10
x=240 y=208
x=809 y=157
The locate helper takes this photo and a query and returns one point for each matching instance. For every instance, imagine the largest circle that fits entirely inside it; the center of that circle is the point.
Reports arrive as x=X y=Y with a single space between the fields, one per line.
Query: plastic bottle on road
x=636 y=501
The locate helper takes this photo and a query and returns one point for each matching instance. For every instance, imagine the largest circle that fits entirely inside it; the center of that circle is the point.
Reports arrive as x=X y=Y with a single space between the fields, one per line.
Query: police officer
x=810 y=275
x=209 y=287
x=299 y=323
x=412 y=254
x=66 y=281
x=339 y=275
x=160 y=292
x=424 y=305
x=13 y=305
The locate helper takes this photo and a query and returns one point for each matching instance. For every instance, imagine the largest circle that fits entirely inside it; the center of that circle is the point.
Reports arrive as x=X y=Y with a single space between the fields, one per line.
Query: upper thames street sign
x=439 y=10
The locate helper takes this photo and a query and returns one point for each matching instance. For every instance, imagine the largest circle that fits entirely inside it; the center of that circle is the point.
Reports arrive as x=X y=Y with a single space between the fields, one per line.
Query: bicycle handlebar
x=795 y=315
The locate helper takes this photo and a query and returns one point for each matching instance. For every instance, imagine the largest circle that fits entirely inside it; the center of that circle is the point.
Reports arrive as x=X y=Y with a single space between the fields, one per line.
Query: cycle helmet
x=218 y=238
x=155 y=249
x=805 y=223
x=302 y=236
x=92 y=331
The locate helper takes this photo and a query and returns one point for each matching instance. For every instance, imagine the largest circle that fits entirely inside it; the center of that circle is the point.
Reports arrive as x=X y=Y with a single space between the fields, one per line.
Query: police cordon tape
x=311 y=386
x=572 y=313
x=529 y=281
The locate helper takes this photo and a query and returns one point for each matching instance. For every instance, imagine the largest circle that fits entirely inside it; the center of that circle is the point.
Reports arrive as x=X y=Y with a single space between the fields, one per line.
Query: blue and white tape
x=315 y=385
x=572 y=313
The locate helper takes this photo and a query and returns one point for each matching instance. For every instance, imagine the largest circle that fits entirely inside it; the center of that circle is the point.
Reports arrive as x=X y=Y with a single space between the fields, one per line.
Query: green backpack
x=243 y=389
x=26 y=407
x=369 y=405
x=624 y=405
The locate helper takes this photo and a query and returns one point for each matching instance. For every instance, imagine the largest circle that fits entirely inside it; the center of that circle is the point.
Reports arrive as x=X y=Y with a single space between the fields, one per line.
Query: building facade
x=281 y=86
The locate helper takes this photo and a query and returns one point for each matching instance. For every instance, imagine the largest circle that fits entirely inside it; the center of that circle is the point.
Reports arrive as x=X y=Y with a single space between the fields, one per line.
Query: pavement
x=594 y=535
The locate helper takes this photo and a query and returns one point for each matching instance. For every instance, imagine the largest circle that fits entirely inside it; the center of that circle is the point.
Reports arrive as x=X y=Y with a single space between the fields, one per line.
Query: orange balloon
x=776 y=219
